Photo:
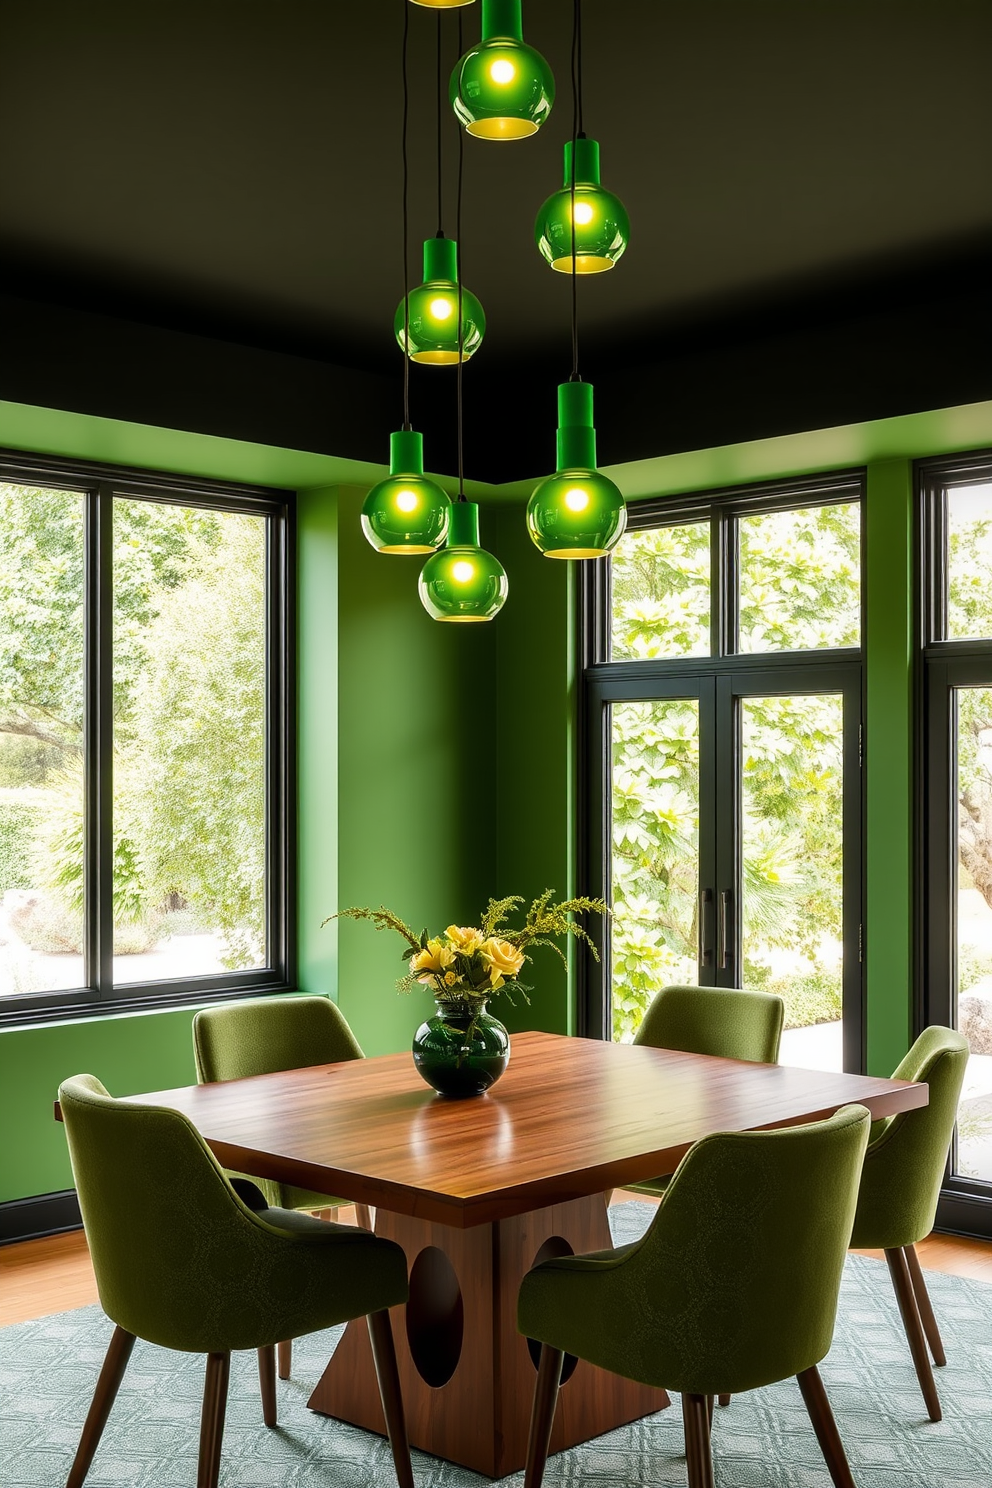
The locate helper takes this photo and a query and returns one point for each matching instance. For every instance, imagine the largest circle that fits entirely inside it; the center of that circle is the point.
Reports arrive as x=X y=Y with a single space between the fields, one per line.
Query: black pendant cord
x=406 y=224
x=576 y=127
x=461 y=328
x=440 y=155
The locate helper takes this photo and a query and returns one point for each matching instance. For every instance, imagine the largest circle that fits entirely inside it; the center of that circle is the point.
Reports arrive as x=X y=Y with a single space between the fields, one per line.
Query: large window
x=145 y=670
x=956 y=509
x=723 y=755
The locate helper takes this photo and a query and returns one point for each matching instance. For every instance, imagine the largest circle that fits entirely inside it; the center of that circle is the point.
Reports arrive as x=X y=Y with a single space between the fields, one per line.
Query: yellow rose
x=436 y=956
x=450 y=979
x=465 y=938
x=495 y=978
x=503 y=957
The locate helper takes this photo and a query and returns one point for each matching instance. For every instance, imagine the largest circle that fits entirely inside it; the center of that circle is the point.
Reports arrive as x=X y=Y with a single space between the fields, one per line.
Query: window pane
x=800 y=579
x=792 y=847
x=655 y=854
x=661 y=593
x=189 y=741
x=969 y=562
x=41 y=740
x=973 y=915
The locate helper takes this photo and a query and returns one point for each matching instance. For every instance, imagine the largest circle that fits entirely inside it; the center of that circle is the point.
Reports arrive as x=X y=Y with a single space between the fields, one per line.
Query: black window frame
x=604 y=680
x=100 y=485
x=965 y=1204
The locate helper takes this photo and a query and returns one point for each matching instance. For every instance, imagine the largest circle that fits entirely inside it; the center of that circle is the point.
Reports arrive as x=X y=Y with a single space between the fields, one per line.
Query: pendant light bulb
x=577 y=512
x=602 y=227
x=441 y=4
x=502 y=89
x=406 y=512
x=463 y=583
x=433 y=311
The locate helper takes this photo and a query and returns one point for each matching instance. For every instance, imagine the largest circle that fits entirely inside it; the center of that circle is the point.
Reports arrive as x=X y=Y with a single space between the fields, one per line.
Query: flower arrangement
x=468 y=963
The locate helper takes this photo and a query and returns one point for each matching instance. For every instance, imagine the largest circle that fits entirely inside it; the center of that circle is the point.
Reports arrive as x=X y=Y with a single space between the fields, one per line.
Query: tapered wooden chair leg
x=363 y=1216
x=212 y=1419
x=825 y=1427
x=696 y=1425
x=284 y=1351
x=724 y=1399
x=923 y=1303
x=388 y=1376
x=111 y=1374
x=906 y=1297
x=267 y=1380
x=542 y=1414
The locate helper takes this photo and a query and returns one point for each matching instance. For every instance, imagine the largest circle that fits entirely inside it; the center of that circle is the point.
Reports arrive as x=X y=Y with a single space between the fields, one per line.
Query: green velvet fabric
x=904 y=1164
x=723 y=1021
x=259 y=1038
x=735 y=1284
x=182 y=1262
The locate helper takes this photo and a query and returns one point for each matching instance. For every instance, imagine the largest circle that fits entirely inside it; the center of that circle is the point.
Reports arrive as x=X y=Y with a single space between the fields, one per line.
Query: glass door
x=722 y=740
x=956 y=846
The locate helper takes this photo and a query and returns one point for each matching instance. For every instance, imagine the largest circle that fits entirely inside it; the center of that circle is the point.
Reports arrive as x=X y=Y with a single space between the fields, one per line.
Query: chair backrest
x=904 y=1165
x=715 y=1020
x=735 y=1284
x=179 y=1259
x=277 y=1033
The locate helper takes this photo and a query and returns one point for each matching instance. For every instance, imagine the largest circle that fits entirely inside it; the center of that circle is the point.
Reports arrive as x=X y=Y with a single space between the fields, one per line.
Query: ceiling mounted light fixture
x=578 y=512
x=427 y=324
x=431 y=330
x=407 y=512
x=462 y=582
x=502 y=89
x=602 y=227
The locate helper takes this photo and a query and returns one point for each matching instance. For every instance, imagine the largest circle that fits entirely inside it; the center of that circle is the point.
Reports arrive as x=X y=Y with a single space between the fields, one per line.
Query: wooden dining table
x=478 y=1191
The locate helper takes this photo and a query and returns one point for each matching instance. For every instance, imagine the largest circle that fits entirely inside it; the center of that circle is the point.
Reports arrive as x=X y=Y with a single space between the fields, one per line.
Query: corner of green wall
x=888 y=762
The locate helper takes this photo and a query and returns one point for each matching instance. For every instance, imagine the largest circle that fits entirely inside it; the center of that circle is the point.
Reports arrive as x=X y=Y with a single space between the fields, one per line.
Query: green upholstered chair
x=734 y=1285
x=183 y=1262
x=903 y=1172
x=723 y=1021
x=259 y=1038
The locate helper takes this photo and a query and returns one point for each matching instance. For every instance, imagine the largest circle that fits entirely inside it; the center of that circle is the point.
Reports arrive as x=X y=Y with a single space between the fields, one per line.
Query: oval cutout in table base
x=435 y=1317
x=552 y=1248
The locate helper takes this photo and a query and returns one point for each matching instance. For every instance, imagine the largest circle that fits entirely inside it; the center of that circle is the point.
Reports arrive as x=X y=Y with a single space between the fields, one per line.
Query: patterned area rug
x=763 y=1440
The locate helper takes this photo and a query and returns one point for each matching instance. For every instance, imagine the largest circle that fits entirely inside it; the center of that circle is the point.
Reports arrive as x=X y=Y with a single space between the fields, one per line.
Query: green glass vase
x=461 y=1051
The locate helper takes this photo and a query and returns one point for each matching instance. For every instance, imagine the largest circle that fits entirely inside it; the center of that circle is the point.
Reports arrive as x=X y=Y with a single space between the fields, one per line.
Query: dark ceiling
x=232 y=167
x=236 y=165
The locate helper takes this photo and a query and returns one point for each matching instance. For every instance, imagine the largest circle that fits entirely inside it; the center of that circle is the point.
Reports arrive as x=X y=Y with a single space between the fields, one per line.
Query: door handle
x=724 y=932
x=705 y=927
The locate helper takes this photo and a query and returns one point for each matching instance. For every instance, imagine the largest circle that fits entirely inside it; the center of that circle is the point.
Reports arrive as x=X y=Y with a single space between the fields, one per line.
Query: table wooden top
x=570 y=1117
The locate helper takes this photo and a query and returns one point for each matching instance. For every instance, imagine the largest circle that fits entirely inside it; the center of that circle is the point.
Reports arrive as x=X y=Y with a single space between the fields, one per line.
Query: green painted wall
x=143 y=1051
x=533 y=696
x=888 y=762
x=418 y=727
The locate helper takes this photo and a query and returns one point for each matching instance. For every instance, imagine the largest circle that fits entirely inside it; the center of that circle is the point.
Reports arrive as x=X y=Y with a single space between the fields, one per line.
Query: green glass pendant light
x=463 y=583
x=502 y=89
x=577 y=512
x=602 y=227
x=434 y=336
x=406 y=512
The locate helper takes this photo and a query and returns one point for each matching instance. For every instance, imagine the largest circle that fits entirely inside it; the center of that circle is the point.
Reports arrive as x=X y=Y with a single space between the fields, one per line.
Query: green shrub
x=18 y=826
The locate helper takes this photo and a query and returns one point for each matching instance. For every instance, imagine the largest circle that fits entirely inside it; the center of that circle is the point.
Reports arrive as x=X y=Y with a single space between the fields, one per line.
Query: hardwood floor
x=39 y=1277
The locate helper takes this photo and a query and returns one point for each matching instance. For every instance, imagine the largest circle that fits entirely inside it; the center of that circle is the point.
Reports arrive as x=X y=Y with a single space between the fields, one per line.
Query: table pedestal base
x=467 y=1375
